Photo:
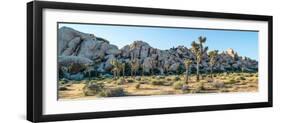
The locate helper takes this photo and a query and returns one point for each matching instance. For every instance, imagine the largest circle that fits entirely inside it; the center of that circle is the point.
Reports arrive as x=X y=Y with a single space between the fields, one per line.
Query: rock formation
x=96 y=52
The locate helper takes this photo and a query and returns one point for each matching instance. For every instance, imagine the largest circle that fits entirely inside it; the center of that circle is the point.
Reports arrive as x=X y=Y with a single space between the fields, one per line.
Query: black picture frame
x=35 y=69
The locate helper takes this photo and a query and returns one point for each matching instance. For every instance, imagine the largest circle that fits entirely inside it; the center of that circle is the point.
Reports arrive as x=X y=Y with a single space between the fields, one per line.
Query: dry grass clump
x=112 y=92
x=157 y=82
x=169 y=79
x=63 y=88
x=130 y=80
x=120 y=81
x=92 y=89
x=240 y=78
x=218 y=84
x=178 y=85
x=231 y=81
x=176 y=78
x=137 y=86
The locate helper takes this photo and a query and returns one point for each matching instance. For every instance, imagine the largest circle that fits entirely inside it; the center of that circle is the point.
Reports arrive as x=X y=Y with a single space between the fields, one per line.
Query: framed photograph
x=89 y=61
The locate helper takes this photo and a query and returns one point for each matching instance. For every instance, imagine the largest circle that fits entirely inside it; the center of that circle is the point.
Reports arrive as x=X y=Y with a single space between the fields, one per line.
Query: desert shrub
x=93 y=89
x=176 y=78
x=201 y=85
x=196 y=90
x=112 y=92
x=137 y=86
x=138 y=78
x=168 y=79
x=218 y=84
x=62 y=82
x=130 y=80
x=214 y=75
x=255 y=79
x=62 y=88
x=157 y=82
x=178 y=85
x=232 y=81
x=168 y=83
x=240 y=78
x=238 y=74
x=203 y=81
x=143 y=82
x=120 y=81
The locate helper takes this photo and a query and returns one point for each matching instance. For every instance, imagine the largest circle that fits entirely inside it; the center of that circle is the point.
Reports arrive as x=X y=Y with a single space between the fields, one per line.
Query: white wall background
x=13 y=61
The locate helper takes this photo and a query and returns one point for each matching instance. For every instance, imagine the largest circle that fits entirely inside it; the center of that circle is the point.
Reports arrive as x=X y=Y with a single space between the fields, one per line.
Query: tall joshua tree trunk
x=197 y=71
x=199 y=50
x=212 y=72
x=187 y=63
x=186 y=76
x=213 y=58
x=123 y=69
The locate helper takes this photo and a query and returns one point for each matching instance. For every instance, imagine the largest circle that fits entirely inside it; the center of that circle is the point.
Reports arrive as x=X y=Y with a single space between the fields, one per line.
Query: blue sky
x=244 y=42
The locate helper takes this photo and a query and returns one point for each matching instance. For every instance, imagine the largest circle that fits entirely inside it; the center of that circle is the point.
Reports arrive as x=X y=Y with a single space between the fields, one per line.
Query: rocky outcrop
x=83 y=48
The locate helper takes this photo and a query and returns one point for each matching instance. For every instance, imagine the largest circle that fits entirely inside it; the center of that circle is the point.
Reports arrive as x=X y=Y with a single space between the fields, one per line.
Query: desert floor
x=163 y=85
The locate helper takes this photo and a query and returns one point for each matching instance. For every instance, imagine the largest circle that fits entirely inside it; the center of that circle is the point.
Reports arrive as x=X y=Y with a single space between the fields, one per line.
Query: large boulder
x=71 y=47
x=174 y=67
x=138 y=49
x=66 y=35
x=67 y=60
x=107 y=65
x=110 y=49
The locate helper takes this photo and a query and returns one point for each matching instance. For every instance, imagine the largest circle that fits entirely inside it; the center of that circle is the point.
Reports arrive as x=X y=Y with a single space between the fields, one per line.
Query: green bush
x=112 y=92
x=178 y=85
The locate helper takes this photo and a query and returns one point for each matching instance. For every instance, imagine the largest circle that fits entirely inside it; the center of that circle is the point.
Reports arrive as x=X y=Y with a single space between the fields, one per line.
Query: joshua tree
x=134 y=66
x=114 y=70
x=142 y=69
x=117 y=67
x=213 y=59
x=199 y=50
x=89 y=69
x=123 y=69
x=187 y=63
